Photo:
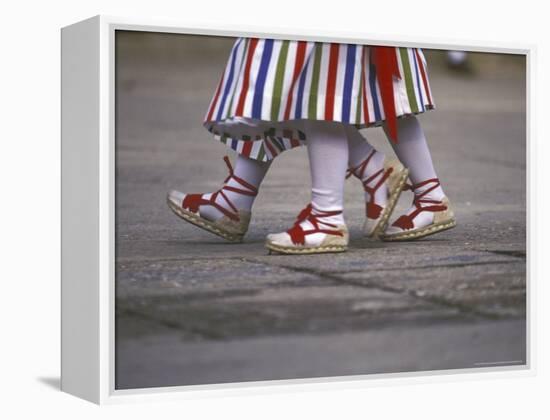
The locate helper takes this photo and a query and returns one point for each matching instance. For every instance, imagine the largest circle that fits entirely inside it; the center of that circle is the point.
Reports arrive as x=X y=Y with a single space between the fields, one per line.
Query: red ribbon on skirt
x=385 y=62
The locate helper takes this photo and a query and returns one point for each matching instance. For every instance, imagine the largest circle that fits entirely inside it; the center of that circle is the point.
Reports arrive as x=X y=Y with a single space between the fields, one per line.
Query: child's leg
x=412 y=149
x=382 y=181
x=320 y=227
x=225 y=212
x=250 y=170
x=430 y=212
x=359 y=151
x=328 y=162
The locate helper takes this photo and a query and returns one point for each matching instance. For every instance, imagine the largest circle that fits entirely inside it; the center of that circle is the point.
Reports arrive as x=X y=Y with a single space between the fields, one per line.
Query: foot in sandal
x=383 y=181
x=216 y=212
x=314 y=232
x=429 y=214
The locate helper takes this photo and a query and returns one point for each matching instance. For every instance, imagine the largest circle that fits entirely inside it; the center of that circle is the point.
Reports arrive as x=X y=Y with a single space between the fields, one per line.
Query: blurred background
x=191 y=309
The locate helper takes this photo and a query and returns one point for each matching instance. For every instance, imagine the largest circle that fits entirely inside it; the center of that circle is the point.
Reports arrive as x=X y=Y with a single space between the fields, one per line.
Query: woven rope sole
x=420 y=233
x=203 y=223
x=305 y=251
x=392 y=201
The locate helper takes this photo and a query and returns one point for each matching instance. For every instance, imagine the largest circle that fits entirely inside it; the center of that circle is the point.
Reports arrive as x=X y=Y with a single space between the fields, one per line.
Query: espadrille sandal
x=310 y=235
x=232 y=226
x=378 y=216
x=405 y=229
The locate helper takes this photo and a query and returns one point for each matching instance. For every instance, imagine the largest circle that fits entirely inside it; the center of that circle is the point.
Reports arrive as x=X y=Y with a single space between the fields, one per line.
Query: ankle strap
x=407 y=221
x=194 y=201
x=419 y=197
x=373 y=210
x=252 y=190
x=298 y=234
x=362 y=167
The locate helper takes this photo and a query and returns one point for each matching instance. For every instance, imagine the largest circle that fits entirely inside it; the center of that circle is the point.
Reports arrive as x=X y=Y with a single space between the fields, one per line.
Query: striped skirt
x=270 y=86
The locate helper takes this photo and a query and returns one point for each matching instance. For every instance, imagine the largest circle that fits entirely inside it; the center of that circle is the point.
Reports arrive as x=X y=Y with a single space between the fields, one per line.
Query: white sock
x=250 y=170
x=328 y=160
x=359 y=150
x=412 y=150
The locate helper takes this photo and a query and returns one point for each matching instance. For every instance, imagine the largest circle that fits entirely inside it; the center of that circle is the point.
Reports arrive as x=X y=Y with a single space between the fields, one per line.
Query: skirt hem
x=270 y=143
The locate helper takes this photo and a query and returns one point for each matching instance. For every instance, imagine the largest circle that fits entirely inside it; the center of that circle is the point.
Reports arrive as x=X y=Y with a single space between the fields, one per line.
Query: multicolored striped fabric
x=269 y=85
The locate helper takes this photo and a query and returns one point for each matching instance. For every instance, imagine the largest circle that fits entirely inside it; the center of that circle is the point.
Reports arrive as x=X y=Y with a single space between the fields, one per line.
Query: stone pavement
x=191 y=309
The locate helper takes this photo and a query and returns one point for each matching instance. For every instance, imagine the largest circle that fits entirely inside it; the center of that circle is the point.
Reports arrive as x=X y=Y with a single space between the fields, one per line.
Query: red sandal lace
x=192 y=202
x=297 y=232
x=406 y=221
x=373 y=210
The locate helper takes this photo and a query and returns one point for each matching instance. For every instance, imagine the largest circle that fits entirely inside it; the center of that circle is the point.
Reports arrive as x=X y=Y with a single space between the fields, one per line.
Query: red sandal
x=234 y=223
x=405 y=229
x=377 y=216
x=333 y=238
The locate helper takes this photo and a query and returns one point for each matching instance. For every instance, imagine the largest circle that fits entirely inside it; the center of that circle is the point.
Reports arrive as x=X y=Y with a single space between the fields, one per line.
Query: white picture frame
x=88 y=165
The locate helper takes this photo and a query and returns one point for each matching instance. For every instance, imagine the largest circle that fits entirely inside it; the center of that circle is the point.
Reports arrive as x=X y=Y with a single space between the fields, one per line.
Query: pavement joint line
x=121 y=261
x=510 y=253
x=169 y=324
x=247 y=259
x=425 y=267
x=411 y=293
